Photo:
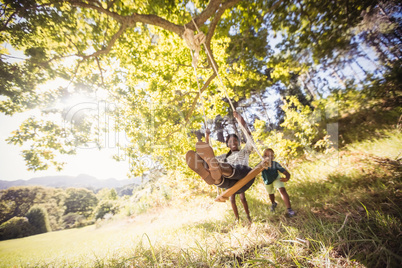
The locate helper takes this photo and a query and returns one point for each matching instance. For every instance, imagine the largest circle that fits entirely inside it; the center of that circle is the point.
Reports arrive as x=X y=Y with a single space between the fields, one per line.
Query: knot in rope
x=194 y=42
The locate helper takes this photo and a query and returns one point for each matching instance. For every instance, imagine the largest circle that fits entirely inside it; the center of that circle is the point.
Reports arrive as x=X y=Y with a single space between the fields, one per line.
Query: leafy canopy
x=131 y=55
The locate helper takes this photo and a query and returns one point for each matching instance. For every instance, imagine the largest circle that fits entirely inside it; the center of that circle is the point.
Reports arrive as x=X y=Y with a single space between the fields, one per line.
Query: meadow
x=348 y=205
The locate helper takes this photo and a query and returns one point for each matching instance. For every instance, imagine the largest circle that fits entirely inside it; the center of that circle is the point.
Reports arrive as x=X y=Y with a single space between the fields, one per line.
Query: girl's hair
x=227 y=141
x=269 y=149
x=230 y=136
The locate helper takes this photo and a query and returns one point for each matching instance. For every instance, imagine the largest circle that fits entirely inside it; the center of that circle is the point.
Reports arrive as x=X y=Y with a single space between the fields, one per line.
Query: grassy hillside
x=348 y=206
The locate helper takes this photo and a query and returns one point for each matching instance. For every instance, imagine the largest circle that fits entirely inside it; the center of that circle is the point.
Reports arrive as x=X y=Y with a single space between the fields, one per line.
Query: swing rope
x=194 y=43
x=199 y=92
x=248 y=136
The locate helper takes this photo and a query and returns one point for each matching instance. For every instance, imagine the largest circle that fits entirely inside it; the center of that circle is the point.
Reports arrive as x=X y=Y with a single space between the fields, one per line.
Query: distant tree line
x=33 y=210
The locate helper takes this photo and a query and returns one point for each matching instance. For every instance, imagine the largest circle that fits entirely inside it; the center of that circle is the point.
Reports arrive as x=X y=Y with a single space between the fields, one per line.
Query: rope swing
x=194 y=43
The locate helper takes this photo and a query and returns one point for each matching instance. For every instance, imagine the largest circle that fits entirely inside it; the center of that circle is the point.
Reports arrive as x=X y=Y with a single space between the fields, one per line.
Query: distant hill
x=82 y=180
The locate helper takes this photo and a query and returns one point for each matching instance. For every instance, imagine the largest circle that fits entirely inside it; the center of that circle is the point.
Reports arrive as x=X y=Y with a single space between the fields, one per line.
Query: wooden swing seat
x=252 y=174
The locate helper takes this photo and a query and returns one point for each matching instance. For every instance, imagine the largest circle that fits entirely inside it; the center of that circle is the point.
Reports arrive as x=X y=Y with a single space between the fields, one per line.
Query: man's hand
x=283 y=179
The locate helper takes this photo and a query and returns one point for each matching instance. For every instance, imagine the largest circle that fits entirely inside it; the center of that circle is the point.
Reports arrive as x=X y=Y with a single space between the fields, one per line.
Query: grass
x=348 y=215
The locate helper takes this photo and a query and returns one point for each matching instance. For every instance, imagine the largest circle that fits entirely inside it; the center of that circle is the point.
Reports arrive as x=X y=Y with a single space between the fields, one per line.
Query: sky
x=90 y=161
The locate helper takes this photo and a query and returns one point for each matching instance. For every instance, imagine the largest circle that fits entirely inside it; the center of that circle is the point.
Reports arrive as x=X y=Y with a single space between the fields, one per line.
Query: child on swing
x=227 y=169
x=273 y=180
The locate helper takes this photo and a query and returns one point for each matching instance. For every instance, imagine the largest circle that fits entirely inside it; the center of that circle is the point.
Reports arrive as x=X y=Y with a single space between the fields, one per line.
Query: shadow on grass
x=366 y=124
x=348 y=218
x=358 y=215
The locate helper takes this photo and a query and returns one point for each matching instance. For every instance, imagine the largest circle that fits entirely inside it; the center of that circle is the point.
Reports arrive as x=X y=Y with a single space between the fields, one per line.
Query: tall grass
x=348 y=215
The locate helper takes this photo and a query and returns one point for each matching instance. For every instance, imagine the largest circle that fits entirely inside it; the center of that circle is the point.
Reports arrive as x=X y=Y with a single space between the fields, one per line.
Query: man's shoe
x=195 y=162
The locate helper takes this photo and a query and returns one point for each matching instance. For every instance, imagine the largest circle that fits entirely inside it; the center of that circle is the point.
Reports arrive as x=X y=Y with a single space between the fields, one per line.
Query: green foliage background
x=134 y=53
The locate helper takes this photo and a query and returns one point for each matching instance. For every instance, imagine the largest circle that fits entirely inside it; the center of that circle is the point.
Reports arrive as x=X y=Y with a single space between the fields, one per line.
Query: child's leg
x=284 y=196
x=195 y=162
x=234 y=206
x=271 y=192
x=215 y=168
x=245 y=205
x=272 y=198
x=237 y=173
x=226 y=169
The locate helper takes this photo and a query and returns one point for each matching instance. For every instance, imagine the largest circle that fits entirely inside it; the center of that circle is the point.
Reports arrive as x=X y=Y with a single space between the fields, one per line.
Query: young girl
x=224 y=170
x=273 y=180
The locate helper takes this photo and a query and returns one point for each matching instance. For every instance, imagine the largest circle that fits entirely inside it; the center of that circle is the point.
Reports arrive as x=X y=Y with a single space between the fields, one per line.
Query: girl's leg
x=234 y=207
x=226 y=169
x=245 y=205
x=285 y=196
x=232 y=174
x=207 y=154
x=195 y=162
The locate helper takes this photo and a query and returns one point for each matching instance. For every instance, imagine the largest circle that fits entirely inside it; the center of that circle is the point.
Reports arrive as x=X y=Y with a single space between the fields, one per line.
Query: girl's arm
x=207 y=132
x=241 y=120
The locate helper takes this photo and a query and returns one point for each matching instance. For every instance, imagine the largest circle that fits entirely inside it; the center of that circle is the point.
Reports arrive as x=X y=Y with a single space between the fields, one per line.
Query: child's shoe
x=273 y=206
x=195 y=162
x=291 y=212
x=204 y=150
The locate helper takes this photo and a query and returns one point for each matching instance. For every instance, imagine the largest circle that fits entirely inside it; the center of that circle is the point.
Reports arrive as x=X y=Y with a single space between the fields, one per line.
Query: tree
x=39 y=220
x=134 y=52
x=106 y=207
x=80 y=201
x=107 y=194
x=72 y=220
x=142 y=41
x=15 y=227
x=17 y=201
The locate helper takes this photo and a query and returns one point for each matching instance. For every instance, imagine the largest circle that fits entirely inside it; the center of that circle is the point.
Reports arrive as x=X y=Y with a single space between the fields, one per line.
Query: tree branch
x=75 y=73
x=109 y=46
x=156 y=21
x=208 y=12
x=217 y=17
x=100 y=70
x=114 y=15
x=16 y=12
x=132 y=20
x=274 y=6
